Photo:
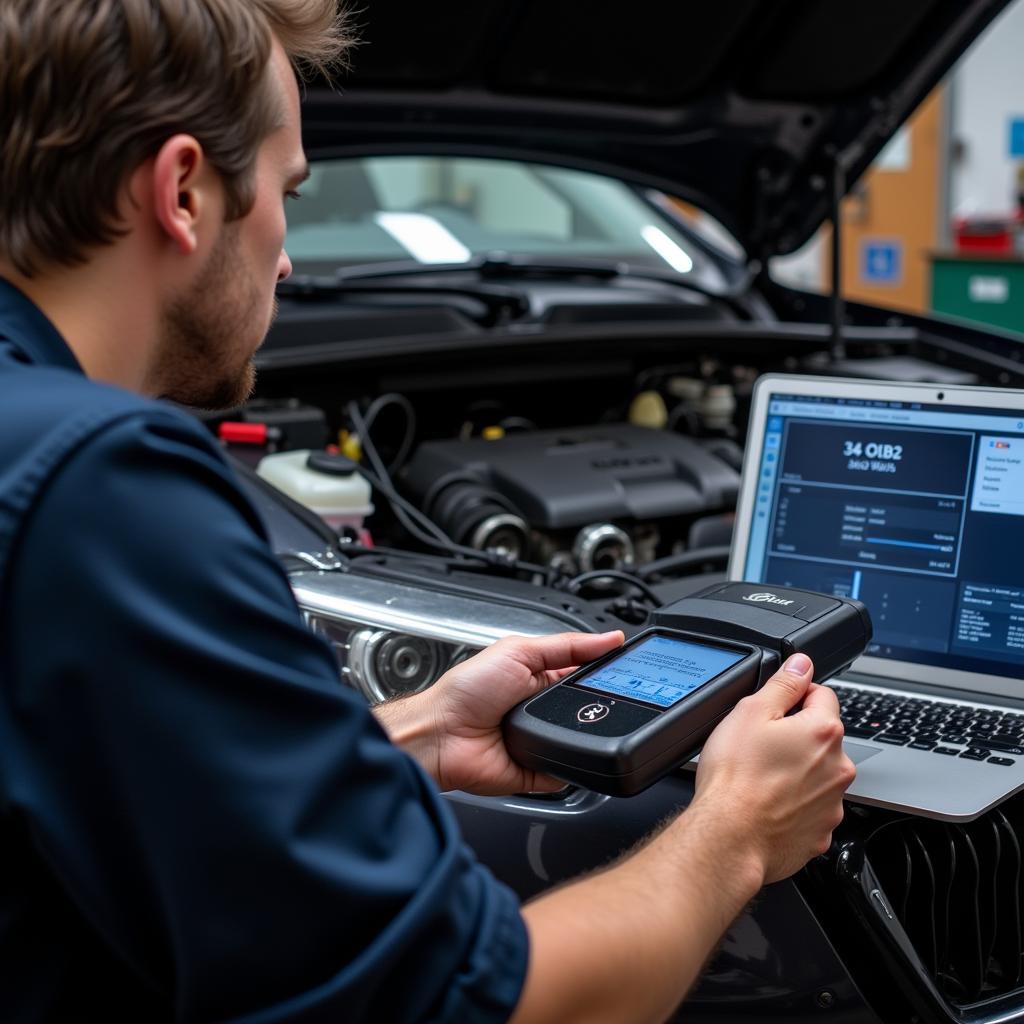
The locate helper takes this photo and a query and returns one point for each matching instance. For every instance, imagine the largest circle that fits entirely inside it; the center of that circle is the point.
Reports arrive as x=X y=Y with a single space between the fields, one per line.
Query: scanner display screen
x=660 y=670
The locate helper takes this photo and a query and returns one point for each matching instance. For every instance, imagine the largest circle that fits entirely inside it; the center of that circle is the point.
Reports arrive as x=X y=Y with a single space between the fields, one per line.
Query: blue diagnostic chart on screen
x=915 y=509
x=661 y=670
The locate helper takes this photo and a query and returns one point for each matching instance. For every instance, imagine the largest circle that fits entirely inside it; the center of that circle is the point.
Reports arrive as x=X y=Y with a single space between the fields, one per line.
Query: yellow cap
x=648 y=410
x=349 y=446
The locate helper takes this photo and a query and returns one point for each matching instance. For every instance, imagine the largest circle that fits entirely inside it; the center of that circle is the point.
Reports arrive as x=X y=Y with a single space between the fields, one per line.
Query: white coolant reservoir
x=326 y=484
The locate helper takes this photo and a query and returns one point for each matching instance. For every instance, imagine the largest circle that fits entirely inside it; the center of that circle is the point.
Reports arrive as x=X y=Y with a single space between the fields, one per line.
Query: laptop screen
x=917 y=509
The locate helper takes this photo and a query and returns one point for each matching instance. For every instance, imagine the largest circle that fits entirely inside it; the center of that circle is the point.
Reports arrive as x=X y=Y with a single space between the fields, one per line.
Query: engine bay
x=618 y=477
x=588 y=477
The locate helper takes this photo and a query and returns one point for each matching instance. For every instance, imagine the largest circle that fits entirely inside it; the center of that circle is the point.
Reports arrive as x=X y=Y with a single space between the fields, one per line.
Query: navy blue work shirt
x=197 y=821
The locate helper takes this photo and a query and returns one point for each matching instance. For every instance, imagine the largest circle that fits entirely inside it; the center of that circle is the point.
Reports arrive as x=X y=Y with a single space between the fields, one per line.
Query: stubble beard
x=207 y=335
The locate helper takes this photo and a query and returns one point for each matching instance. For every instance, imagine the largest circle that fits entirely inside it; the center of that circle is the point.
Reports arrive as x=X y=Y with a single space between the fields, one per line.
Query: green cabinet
x=988 y=289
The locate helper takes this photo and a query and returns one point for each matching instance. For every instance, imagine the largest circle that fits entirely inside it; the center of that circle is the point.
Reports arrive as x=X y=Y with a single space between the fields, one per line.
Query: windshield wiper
x=497 y=264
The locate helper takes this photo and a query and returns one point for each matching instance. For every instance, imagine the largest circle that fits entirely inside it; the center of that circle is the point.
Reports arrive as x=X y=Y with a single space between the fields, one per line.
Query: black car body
x=762 y=114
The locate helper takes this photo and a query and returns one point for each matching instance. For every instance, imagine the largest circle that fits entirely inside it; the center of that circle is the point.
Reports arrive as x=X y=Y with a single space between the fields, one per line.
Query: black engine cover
x=559 y=479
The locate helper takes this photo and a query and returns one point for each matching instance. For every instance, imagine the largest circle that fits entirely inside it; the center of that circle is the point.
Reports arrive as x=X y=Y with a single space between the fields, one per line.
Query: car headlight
x=393 y=639
x=385 y=664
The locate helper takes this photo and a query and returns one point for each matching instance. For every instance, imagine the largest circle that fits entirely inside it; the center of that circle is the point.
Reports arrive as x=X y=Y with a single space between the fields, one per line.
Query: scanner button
x=593 y=713
x=590 y=713
x=621 y=718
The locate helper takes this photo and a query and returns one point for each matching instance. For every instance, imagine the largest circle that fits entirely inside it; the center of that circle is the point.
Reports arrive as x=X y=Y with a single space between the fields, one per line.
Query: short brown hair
x=89 y=89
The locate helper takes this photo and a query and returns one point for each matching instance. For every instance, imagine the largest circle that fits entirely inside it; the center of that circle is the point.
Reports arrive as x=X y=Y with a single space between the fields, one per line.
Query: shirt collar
x=24 y=324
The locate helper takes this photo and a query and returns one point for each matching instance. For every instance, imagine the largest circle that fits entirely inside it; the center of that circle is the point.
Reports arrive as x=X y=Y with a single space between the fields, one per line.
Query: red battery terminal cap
x=243 y=433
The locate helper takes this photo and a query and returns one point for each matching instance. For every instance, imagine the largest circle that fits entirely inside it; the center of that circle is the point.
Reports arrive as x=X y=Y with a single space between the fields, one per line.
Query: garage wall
x=987 y=90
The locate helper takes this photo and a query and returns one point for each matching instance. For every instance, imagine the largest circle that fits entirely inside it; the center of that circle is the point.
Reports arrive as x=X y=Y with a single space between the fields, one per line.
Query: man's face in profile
x=210 y=333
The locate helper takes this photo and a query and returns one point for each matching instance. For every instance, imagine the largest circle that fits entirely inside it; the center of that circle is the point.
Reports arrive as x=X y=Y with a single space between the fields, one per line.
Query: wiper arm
x=501 y=303
x=508 y=265
x=490 y=264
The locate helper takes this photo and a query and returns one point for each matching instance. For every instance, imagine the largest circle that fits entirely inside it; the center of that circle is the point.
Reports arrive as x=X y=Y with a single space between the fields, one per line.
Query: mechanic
x=197 y=821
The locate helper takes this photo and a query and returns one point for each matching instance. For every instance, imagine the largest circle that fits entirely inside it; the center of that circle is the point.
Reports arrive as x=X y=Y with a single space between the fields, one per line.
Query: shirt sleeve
x=228 y=816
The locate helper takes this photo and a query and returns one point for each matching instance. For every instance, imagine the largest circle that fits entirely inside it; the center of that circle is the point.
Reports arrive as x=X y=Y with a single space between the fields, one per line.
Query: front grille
x=957 y=892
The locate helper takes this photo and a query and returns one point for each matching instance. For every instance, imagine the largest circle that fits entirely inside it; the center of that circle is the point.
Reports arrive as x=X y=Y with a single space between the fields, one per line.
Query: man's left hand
x=459 y=739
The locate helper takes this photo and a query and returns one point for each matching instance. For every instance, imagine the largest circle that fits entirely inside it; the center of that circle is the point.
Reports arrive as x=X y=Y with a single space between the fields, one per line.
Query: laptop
x=910 y=498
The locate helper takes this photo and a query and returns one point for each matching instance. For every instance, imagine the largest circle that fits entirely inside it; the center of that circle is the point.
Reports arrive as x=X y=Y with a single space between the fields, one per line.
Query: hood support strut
x=838 y=191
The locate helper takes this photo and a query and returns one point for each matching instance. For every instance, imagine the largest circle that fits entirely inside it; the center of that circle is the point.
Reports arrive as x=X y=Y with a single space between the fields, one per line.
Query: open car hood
x=743 y=107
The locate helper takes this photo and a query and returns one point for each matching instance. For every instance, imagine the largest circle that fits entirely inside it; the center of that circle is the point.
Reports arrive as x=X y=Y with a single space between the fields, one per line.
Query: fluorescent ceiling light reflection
x=424 y=238
x=671 y=253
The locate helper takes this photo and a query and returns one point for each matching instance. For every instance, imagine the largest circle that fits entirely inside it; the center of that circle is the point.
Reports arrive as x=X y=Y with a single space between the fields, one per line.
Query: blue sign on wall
x=881 y=261
x=1017 y=136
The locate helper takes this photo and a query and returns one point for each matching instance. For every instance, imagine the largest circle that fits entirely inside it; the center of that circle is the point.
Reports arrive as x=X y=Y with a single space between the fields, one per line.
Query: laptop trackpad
x=857 y=752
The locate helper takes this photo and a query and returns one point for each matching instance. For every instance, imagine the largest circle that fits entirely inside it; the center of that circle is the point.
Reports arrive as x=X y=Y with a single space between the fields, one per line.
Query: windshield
x=449 y=210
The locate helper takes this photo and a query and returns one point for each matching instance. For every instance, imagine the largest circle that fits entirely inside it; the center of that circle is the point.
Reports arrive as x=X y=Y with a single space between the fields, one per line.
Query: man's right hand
x=780 y=777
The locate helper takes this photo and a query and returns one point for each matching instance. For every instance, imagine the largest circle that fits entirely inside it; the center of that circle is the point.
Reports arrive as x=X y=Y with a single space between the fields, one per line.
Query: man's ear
x=181 y=180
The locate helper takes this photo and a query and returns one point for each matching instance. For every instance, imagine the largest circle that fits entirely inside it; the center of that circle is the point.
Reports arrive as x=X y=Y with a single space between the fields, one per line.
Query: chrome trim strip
x=420 y=611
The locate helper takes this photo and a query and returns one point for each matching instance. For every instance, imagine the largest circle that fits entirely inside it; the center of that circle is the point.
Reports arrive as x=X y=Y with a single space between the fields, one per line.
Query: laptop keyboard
x=951 y=730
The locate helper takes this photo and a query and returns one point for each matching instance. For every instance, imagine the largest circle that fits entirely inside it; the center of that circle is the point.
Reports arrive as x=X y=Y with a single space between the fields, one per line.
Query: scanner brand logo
x=592 y=713
x=766 y=598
